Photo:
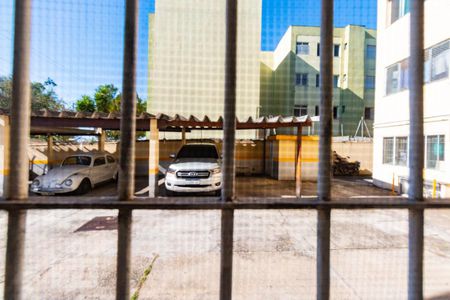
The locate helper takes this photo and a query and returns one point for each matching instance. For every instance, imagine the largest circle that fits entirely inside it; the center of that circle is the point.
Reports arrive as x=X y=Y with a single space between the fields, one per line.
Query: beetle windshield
x=198 y=151
x=77 y=160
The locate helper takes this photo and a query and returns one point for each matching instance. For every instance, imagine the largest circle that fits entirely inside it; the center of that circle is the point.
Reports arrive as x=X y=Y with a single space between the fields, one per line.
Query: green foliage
x=143 y=279
x=85 y=104
x=43 y=95
x=141 y=105
x=104 y=97
x=107 y=99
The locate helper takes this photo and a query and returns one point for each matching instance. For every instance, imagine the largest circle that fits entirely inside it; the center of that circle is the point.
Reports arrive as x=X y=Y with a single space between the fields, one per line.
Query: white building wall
x=392 y=111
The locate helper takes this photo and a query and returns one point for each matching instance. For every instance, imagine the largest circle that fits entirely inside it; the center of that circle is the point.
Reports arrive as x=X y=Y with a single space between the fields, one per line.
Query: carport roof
x=111 y=121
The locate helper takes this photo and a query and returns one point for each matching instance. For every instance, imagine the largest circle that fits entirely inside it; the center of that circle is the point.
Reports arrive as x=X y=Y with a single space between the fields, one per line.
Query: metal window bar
x=17 y=192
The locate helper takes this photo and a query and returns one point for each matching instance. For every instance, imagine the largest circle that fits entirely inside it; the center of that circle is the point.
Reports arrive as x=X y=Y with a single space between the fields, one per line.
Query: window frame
x=385 y=156
x=300 y=45
x=301 y=108
x=301 y=79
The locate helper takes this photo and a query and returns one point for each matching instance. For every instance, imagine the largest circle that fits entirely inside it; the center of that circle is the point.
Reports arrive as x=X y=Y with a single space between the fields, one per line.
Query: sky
x=79 y=43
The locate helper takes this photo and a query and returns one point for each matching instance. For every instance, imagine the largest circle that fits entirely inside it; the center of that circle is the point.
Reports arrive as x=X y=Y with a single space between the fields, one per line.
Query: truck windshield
x=77 y=160
x=198 y=151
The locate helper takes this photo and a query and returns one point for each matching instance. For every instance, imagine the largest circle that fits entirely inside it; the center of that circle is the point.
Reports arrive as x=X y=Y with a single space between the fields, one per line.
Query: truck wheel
x=84 y=187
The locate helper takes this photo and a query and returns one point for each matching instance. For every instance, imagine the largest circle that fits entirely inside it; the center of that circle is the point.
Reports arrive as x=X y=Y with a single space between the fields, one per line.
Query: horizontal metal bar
x=211 y=203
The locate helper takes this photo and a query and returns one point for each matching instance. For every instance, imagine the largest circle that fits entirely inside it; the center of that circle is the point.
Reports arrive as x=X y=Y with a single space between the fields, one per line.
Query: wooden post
x=298 y=164
x=50 y=153
x=264 y=151
x=102 y=140
x=183 y=136
x=153 y=158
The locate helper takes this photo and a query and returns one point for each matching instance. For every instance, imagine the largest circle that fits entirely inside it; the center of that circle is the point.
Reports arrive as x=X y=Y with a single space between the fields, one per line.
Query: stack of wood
x=342 y=166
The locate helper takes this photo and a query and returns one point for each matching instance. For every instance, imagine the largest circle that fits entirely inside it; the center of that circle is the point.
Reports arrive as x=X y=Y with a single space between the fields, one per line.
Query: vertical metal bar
x=229 y=121
x=19 y=140
x=229 y=132
x=127 y=148
x=325 y=134
x=298 y=164
x=21 y=101
x=416 y=150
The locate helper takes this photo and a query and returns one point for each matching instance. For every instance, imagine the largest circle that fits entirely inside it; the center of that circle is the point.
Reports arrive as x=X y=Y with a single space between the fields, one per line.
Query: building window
x=342 y=109
x=427 y=66
x=369 y=82
x=335 y=81
x=336 y=50
x=301 y=79
x=371 y=52
x=317 y=80
x=302 y=48
x=300 y=110
x=316 y=110
x=440 y=61
x=392 y=79
x=368 y=113
x=335 y=112
x=436 y=66
x=435 y=151
x=404 y=75
x=401 y=151
x=398 y=8
x=388 y=150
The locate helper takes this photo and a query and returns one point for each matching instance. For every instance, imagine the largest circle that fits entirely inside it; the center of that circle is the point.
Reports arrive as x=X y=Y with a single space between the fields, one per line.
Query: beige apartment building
x=391 y=128
x=187 y=59
x=290 y=77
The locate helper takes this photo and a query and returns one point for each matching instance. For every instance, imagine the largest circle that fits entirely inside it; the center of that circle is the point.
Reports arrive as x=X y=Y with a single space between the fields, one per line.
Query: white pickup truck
x=195 y=169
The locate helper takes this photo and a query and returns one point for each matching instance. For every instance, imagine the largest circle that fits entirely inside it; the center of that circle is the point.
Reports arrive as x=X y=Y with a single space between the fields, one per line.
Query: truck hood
x=195 y=164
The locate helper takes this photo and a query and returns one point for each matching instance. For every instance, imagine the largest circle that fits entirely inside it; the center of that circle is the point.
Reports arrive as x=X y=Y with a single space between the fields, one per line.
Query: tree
x=85 y=104
x=107 y=99
x=43 y=95
x=141 y=105
x=104 y=97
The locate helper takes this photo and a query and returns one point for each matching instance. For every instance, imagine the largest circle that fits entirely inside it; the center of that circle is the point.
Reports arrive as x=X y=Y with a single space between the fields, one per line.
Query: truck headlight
x=215 y=171
x=68 y=182
x=171 y=171
x=35 y=183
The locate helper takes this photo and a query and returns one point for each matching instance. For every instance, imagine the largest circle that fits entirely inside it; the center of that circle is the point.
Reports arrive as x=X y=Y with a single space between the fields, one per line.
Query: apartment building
x=187 y=59
x=290 y=77
x=391 y=127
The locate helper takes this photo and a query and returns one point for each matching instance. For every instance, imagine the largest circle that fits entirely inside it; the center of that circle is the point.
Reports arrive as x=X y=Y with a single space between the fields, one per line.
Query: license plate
x=194 y=182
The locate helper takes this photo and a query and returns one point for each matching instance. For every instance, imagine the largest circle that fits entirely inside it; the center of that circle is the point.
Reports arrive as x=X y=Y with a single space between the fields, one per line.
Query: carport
x=68 y=123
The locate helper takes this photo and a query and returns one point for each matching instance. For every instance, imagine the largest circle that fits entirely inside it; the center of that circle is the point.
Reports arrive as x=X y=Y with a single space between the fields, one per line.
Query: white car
x=77 y=173
x=196 y=168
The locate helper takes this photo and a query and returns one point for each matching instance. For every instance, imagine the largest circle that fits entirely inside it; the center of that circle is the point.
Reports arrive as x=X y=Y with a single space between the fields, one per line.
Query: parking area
x=247 y=186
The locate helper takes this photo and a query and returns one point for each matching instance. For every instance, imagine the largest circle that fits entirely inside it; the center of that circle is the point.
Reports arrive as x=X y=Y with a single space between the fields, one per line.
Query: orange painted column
x=4 y=153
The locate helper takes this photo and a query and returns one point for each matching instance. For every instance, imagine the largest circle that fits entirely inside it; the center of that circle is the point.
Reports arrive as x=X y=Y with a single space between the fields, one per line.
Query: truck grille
x=193 y=174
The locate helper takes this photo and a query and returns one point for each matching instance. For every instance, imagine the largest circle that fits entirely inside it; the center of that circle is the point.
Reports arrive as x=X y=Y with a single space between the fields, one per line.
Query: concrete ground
x=274 y=251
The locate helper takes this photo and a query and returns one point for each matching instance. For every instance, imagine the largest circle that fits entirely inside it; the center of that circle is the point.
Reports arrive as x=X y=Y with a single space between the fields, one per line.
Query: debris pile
x=342 y=166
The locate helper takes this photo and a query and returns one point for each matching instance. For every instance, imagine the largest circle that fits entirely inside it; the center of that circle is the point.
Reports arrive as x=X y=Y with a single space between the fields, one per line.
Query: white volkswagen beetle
x=77 y=173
